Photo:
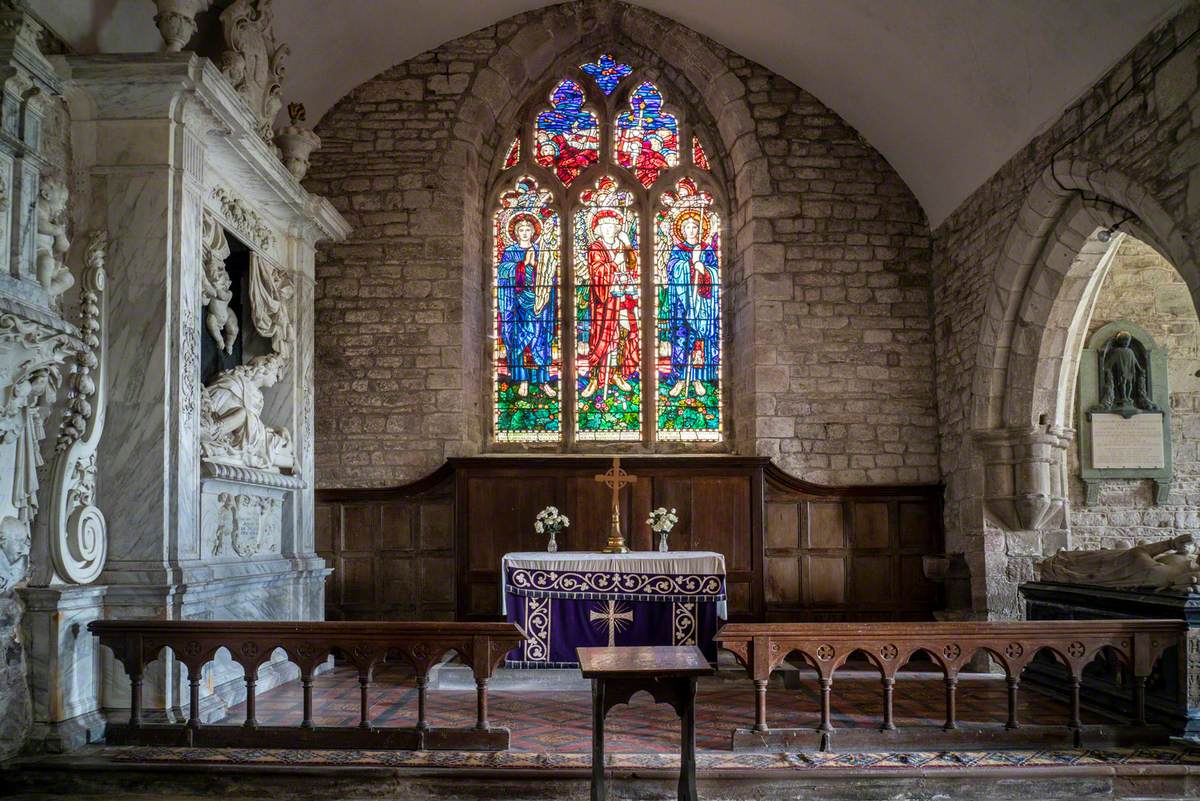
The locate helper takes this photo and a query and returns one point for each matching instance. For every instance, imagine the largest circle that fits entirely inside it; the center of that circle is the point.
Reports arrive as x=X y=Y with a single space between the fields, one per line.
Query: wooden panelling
x=825 y=526
x=392 y=553
x=793 y=550
x=718 y=500
x=858 y=553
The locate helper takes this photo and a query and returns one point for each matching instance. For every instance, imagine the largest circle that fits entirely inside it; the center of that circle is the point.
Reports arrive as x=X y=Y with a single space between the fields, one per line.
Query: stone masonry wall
x=829 y=343
x=1144 y=288
x=1137 y=128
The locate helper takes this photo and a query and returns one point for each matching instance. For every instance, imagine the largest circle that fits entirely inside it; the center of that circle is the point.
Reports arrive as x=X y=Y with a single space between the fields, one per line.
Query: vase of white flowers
x=661 y=522
x=551 y=521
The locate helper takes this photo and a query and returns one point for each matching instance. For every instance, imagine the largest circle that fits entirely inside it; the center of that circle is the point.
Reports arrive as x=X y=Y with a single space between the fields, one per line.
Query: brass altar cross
x=615 y=477
x=615 y=617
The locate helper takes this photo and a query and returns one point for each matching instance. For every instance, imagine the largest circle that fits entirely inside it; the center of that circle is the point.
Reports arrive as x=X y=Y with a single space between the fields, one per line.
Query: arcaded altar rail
x=825 y=647
x=308 y=644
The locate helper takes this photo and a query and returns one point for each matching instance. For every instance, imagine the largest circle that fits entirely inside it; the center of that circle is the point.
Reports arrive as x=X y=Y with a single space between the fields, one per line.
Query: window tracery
x=606 y=293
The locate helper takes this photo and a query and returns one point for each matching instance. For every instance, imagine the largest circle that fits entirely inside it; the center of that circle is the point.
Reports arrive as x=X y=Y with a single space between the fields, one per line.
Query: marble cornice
x=250 y=475
x=43 y=317
x=148 y=86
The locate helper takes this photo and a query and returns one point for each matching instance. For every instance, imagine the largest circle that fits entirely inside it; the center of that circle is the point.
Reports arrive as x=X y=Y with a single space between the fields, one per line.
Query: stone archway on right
x=1051 y=276
x=1142 y=485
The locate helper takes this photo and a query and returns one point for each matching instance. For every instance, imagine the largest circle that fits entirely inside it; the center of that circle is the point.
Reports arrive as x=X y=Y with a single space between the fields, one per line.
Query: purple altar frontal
x=567 y=600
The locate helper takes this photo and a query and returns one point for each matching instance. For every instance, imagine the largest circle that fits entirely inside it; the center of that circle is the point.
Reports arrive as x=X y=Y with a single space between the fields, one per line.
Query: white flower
x=538 y=527
x=566 y=521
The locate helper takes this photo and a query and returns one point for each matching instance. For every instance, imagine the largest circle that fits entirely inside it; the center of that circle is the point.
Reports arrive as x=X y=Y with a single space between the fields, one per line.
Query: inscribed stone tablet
x=1118 y=443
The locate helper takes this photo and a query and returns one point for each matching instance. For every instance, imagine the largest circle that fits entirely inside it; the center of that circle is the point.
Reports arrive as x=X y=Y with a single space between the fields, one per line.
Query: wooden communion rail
x=137 y=643
x=762 y=647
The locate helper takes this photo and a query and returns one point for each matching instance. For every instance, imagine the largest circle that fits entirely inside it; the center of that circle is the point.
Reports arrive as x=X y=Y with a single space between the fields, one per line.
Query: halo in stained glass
x=527 y=361
x=606 y=72
x=608 y=350
x=566 y=138
x=647 y=138
x=514 y=153
x=687 y=283
x=699 y=157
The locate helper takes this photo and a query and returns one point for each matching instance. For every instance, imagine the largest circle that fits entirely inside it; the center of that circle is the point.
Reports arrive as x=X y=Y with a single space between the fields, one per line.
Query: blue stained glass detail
x=567 y=137
x=606 y=72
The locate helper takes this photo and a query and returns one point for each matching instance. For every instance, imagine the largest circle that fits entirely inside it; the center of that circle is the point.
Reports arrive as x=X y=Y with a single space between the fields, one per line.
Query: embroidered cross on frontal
x=615 y=616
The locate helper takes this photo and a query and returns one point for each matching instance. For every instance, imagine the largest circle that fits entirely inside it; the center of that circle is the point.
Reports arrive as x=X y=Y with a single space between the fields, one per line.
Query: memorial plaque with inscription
x=1124 y=410
x=1119 y=443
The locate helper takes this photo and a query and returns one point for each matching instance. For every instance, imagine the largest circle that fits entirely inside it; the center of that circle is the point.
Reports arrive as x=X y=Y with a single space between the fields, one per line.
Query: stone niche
x=207 y=462
x=1124 y=410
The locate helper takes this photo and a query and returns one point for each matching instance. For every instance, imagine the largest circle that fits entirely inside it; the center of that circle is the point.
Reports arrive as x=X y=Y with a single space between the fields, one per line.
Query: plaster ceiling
x=946 y=90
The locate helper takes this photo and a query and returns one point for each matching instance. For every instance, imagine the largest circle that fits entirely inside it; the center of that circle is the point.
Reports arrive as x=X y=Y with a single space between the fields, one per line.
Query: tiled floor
x=560 y=722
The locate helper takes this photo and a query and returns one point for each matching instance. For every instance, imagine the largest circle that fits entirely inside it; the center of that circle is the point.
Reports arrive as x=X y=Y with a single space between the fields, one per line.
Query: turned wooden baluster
x=422 y=724
x=481 y=705
x=306 y=690
x=193 y=721
x=760 y=705
x=951 y=708
x=1013 y=683
x=889 y=685
x=251 y=682
x=364 y=682
x=135 y=699
x=1076 y=681
x=1139 y=700
x=826 y=726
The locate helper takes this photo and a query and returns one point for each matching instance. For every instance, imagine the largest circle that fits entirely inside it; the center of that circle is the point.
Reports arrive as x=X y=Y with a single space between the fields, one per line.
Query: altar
x=567 y=600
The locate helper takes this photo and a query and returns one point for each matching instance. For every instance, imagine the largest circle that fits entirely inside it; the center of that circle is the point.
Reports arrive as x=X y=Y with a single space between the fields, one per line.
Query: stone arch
x=557 y=39
x=1063 y=210
x=1048 y=273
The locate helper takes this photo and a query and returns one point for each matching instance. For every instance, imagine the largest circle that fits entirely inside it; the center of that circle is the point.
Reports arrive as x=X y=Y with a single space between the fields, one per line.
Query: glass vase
x=662 y=541
x=552 y=546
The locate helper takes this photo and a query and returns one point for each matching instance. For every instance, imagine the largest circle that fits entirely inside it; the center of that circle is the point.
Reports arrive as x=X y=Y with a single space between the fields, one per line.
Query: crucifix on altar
x=615 y=477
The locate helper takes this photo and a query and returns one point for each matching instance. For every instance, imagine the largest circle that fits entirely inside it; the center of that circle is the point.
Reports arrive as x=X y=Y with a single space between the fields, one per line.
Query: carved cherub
x=52 y=243
x=216 y=288
x=217 y=292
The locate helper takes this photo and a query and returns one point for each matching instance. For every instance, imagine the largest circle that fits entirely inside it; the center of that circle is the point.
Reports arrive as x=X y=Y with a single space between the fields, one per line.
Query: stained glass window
x=567 y=137
x=699 y=158
x=608 y=351
x=526 y=244
x=606 y=72
x=604 y=332
x=687 y=283
x=647 y=138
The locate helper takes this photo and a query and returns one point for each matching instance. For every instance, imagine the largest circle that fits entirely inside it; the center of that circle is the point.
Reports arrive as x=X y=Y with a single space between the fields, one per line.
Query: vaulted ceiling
x=946 y=90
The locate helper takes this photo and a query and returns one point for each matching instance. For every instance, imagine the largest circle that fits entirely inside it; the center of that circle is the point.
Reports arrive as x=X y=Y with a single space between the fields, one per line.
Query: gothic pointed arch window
x=607 y=280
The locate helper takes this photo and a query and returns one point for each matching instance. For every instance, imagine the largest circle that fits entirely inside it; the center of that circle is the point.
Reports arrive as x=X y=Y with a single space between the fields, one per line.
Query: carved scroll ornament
x=252 y=60
x=75 y=526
